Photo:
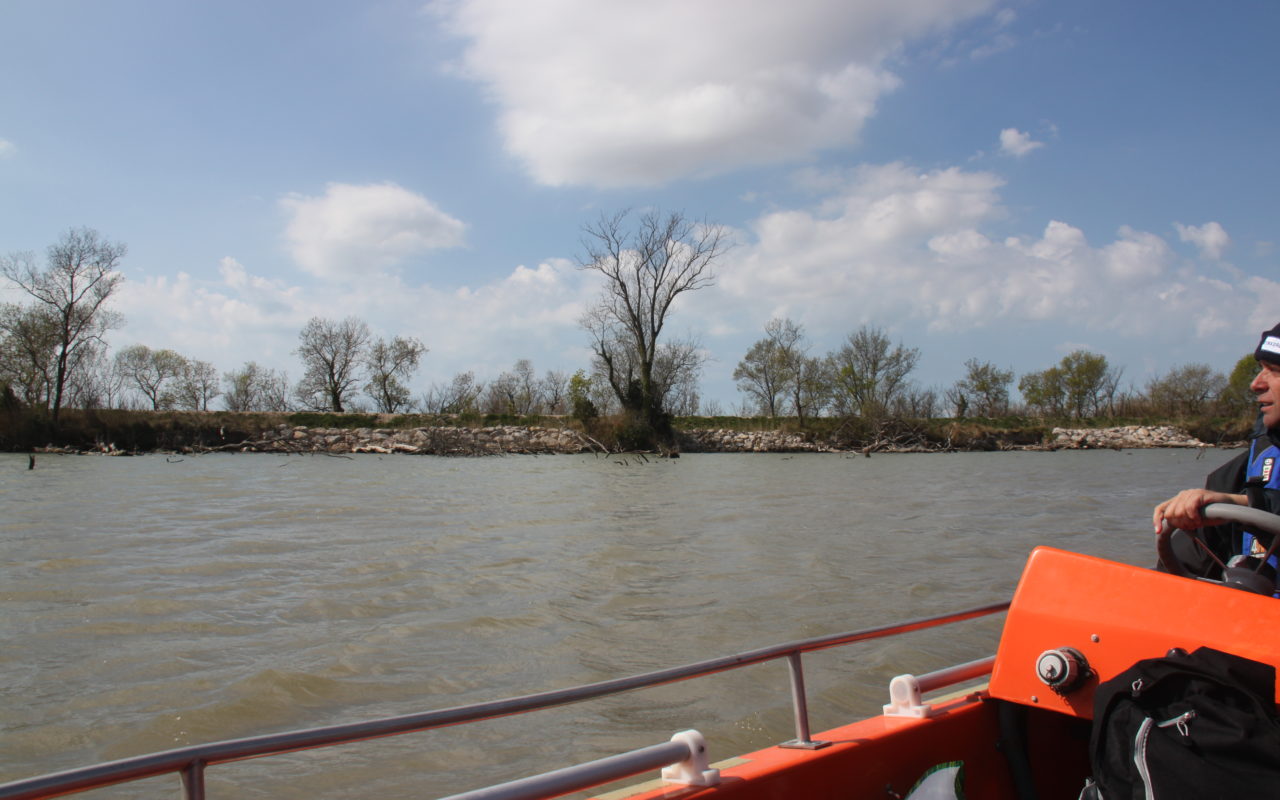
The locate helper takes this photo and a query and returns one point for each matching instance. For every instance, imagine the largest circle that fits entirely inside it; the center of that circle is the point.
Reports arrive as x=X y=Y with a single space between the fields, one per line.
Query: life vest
x=1264 y=463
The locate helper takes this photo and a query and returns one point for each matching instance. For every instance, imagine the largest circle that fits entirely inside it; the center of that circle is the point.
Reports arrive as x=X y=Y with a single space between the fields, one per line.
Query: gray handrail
x=687 y=746
x=583 y=776
x=949 y=676
x=191 y=761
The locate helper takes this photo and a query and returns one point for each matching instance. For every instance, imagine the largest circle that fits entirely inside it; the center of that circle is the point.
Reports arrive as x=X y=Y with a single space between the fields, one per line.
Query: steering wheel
x=1247 y=575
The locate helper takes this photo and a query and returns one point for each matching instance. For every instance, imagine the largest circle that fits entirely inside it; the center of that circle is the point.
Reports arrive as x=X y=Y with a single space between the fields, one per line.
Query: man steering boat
x=1250 y=479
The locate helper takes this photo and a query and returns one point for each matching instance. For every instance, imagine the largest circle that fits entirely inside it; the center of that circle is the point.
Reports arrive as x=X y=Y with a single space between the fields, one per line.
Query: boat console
x=1077 y=620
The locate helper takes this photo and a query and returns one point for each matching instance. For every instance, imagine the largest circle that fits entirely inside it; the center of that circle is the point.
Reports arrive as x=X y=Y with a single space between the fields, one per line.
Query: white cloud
x=531 y=313
x=7 y=148
x=352 y=229
x=614 y=94
x=1014 y=142
x=1210 y=238
x=249 y=316
x=1005 y=17
x=893 y=245
x=873 y=233
x=1136 y=255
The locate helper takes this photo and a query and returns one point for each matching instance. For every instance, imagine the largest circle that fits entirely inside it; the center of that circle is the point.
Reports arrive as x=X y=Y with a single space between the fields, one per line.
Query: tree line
x=54 y=354
x=869 y=376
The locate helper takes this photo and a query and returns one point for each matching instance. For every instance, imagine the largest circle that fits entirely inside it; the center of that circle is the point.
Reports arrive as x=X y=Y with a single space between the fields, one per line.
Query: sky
x=1006 y=180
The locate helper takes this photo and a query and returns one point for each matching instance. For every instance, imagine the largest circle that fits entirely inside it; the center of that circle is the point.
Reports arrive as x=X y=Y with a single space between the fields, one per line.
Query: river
x=152 y=602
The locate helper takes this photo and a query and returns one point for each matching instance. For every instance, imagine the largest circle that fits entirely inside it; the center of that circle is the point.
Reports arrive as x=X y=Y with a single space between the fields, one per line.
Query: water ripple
x=146 y=604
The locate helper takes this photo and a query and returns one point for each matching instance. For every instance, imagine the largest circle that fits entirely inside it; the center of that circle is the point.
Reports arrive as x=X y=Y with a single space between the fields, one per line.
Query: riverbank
x=549 y=440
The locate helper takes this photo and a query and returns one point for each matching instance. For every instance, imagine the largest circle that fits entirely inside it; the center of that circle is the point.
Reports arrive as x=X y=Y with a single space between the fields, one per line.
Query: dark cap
x=1269 y=348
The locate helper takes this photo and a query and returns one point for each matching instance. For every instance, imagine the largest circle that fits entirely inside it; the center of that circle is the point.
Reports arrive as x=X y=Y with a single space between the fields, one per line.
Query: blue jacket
x=1264 y=462
x=1264 y=447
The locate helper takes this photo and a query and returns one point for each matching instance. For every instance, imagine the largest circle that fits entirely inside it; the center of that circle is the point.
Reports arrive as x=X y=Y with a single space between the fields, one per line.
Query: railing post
x=801 y=707
x=193 y=781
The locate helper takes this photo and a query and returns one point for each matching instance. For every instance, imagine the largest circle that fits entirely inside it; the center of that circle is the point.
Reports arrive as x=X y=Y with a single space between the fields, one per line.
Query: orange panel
x=1116 y=614
x=1112 y=613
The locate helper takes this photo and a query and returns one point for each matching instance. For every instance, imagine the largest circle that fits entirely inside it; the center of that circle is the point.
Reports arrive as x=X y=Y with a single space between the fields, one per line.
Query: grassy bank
x=148 y=431
x=145 y=431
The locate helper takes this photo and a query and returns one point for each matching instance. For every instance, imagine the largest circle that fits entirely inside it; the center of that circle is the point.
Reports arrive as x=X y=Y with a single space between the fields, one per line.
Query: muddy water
x=149 y=603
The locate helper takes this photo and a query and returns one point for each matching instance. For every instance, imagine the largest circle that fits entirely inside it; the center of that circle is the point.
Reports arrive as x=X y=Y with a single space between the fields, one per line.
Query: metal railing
x=685 y=756
x=190 y=762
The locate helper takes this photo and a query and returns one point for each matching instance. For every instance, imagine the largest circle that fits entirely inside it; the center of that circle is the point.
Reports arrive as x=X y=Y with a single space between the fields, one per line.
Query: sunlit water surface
x=154 y=602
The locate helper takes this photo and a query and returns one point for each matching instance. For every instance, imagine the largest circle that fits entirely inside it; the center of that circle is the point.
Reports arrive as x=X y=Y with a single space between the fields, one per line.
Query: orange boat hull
x=1114 y=614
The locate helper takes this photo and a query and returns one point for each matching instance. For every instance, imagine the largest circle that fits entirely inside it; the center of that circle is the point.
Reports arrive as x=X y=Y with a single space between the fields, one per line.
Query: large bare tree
x=647 y=263
x=72 y=289
x=332 y=353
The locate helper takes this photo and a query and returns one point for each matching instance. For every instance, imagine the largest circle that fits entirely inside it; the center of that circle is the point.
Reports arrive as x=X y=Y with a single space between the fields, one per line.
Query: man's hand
x=1183 y=509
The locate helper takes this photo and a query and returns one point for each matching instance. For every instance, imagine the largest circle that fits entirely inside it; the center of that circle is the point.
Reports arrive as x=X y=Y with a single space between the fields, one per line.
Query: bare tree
x=917 y=403
x=390 y=364
x=762 y=376
x=96 y=382
x=807 y=381
x=811 y=389
x=460 y=396
x=196 y=385
x=28 y=351
x=499 y=396
x=517 y=391
x=1190 y=389
x=152 y=372
x=332 y=353
x=239 y=388
x=554 y=391
x=255 y=388
x=774 y=369
x=528 y=395
x=73 y=289
x=646 y=266
x=274 y=391
x=676 y=373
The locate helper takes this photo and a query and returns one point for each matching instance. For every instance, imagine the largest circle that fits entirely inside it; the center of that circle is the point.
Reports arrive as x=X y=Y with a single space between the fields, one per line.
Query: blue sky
x=1006 y=181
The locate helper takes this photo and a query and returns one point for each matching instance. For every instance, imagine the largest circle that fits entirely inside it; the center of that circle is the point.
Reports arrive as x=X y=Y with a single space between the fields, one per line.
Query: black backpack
x=1199 y=726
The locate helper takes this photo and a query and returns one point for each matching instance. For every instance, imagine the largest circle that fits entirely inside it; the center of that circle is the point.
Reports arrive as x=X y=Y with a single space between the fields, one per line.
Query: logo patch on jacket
x=1267 y=464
